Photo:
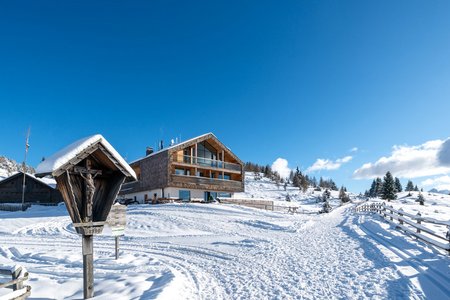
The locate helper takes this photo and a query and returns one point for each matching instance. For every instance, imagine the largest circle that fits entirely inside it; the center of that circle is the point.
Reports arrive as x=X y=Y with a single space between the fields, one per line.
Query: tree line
x=387 y=187
x=296 y=178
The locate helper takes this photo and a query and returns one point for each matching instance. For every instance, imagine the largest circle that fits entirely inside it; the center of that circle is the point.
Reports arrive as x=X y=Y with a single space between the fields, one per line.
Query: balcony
x=206 y=163
x=212 y=184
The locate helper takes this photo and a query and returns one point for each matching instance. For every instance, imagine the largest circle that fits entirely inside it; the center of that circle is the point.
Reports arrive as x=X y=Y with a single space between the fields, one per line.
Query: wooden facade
x=182 y=166
x=36 y=191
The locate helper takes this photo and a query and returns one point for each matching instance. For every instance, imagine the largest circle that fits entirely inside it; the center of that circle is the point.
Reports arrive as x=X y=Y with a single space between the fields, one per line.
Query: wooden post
x=88 y=266
x=401 y=215
x=419 y=221
x=117 y=247
x=14 y=276
x=384 y=210
x=392 y=218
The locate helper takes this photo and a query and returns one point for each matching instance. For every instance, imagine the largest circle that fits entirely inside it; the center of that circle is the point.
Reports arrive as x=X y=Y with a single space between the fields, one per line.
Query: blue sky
x=298 y=80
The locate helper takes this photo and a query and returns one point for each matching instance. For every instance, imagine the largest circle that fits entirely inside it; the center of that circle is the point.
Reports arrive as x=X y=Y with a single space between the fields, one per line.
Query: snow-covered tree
x=326 y=195
x=409 y=186
x=388 y=190
x=421 y=199
x=398 y=185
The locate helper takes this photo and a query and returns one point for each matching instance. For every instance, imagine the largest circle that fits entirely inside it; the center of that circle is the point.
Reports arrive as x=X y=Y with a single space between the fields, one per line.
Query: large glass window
x=206 y=153
x=185 y=195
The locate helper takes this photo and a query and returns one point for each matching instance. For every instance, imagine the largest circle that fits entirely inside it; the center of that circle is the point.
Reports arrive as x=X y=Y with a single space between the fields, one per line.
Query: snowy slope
x=265 y=188
x=9 y=167
x=213 y=251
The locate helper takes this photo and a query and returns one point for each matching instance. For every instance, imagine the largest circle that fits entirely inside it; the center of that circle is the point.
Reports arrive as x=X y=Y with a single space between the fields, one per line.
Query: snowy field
x=214 y=251
x=265 y=188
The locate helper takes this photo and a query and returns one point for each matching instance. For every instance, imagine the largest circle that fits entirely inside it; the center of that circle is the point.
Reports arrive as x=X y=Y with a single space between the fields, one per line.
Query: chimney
x=148 y=151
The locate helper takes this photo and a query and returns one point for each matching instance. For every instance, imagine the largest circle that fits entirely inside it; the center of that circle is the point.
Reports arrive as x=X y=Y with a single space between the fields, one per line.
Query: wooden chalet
x=199 y=169
x=36 y=190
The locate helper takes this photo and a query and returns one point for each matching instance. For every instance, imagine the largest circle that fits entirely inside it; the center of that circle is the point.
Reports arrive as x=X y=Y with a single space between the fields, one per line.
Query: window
x=224 y=195
x=205 y=154
x=184 y=195
x=183 y=172
x=225 y=176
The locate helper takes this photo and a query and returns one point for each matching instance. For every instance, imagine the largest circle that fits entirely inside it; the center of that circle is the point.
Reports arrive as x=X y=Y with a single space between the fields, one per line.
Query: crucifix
x=88 y=175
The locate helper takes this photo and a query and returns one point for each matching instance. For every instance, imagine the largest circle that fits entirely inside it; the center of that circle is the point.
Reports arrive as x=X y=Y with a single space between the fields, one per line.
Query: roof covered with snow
x=48 y=181
x=203 y=136
x=63 y=156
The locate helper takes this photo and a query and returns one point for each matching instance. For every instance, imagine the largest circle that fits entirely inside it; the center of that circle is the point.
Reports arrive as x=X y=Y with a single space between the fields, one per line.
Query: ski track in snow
x=227 y=252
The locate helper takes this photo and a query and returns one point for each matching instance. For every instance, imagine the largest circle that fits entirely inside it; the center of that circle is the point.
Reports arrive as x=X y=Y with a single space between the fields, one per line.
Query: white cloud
x=281 y=166
x=354 y=149
x=430 y=158
x=326 y=164
x=440 y=183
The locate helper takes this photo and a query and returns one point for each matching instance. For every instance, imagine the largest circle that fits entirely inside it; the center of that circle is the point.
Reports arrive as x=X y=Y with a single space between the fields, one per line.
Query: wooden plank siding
x=209 y=184
x=35 y=192
x=157 y=170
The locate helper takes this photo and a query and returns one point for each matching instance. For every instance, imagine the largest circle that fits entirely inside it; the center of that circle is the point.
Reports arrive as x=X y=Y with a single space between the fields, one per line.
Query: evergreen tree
x=326 y=195
x=291 y=175
x=326 y=208
x=398 y=185
x=388 y=190
x=416 y=189
x=373 y=189
x=409 y=186
x=341 y=193
x=378 y=187
x=421 y=199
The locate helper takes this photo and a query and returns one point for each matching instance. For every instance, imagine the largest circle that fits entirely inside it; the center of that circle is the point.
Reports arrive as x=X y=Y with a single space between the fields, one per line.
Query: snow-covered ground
x=216 y=251
x=265 y=188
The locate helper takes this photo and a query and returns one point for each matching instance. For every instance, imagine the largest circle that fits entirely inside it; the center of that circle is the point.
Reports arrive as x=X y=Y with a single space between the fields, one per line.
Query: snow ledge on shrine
x=60 y=158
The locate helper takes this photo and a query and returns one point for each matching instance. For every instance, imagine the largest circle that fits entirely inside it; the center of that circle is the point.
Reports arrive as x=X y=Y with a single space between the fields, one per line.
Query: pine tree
x=416 y=189
x=398 y=185
x=341 y=193
x=373 y=189
x=421 y=199
x=378 y=187
x=326 y=208
x=409 y=186
x=388 y=190
x=326 y=195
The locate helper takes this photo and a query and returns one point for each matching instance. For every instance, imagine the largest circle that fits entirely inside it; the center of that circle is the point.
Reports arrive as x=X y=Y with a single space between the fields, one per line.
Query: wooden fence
x=14 y=206
x=260 y=203
x=414 y=225
x=18 y=276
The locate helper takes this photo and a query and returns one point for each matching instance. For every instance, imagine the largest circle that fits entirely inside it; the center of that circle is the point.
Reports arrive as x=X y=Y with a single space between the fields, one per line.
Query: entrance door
x=210 y=196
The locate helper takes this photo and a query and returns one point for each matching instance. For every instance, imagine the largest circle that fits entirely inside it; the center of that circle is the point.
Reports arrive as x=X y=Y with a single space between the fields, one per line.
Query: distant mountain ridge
x=9 y=166
x=446 y=192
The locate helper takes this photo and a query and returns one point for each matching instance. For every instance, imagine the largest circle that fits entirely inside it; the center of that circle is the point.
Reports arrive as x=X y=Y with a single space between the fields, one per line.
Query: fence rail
x=411 y=224
x=18 y=276
x=261 y=204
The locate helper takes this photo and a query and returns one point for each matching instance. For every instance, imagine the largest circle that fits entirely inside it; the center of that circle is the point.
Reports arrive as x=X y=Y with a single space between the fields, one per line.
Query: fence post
x=392 y=218
x=419 y=221
x=15 y=275
x=384 y=210
x=400 y=213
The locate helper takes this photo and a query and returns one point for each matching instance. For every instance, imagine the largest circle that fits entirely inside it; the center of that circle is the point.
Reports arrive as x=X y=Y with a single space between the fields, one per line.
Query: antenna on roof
x=24 y=168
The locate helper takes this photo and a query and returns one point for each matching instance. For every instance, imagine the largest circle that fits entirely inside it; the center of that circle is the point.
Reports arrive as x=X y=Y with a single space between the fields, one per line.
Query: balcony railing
x=206 y=162
x=218 y=184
